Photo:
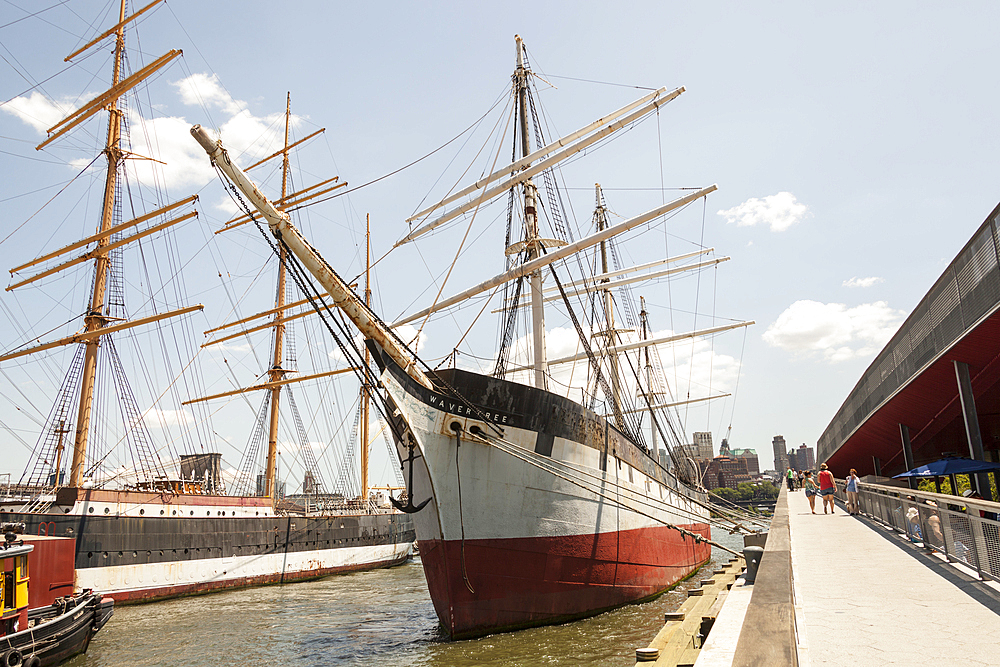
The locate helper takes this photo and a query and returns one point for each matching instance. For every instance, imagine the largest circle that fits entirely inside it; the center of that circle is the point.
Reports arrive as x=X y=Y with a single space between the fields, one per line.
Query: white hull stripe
x=214 y=571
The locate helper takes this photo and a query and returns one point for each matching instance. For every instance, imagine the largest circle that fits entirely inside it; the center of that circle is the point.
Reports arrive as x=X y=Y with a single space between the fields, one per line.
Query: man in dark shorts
x=827 y=487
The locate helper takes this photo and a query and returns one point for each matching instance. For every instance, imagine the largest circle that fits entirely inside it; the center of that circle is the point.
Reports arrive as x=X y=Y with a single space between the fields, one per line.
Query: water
x=382 y=617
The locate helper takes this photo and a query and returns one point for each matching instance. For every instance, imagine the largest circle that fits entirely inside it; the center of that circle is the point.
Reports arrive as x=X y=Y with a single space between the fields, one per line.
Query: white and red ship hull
x=560 y=517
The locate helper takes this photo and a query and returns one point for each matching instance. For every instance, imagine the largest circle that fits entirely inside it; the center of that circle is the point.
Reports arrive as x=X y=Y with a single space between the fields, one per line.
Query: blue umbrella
x=954 y=465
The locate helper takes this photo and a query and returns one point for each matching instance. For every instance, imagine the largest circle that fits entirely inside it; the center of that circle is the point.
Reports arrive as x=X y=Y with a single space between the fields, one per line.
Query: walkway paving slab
x=862 y=598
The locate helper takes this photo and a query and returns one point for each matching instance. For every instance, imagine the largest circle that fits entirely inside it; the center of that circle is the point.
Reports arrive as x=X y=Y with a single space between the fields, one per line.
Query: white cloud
x=202 y=89
x=779 y=211
x=38 y=111
x=228 y=206
x=832 y=330
x=163 y=418
x=408 y=334
x=863 y=282
x=167 y=138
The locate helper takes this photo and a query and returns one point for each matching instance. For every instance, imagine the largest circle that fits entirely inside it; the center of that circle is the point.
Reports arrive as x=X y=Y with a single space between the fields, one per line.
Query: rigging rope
x=524 y=455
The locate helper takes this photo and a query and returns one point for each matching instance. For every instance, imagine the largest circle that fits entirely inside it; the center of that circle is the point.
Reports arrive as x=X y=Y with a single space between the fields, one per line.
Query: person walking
x=853 y=507
x=827 y=487
x=810 y=486
x=791 y=479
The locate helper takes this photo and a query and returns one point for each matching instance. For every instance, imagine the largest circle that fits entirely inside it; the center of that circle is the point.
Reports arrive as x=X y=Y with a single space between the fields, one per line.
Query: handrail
x=768 y=635
x=964 y=530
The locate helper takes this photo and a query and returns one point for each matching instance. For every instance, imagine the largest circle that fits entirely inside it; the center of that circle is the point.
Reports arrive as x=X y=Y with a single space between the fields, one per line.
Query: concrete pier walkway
x=863 y=596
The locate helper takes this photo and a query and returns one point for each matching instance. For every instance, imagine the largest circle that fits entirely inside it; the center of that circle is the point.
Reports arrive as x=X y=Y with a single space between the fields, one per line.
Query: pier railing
x=964 y=530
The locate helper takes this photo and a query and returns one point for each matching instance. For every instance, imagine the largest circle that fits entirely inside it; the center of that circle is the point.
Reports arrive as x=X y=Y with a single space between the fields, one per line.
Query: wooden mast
x=96 y=318
x=277 y=372
x=609 y=313
x=532 y=237
x=365 y=386
x=650 y=395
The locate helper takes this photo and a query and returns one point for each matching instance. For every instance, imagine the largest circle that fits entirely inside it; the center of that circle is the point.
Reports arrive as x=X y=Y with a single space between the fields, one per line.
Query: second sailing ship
x=150 y=530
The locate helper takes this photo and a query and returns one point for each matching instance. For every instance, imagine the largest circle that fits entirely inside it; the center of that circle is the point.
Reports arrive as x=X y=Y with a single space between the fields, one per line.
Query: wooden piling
x=679 y=641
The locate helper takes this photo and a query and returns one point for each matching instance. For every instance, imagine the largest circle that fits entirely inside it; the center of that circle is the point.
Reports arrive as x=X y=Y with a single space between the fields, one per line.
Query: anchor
x=409 y=507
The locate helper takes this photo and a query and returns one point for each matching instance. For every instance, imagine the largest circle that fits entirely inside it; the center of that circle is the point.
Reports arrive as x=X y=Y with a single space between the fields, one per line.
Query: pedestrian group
x=825 y=487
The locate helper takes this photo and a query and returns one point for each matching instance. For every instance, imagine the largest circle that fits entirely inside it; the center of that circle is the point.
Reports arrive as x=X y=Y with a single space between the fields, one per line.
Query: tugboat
x=45 y=635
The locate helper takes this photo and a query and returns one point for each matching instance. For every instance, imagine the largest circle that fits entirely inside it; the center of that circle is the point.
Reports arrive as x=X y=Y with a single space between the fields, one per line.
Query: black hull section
x=504 y=403
x=103 y=541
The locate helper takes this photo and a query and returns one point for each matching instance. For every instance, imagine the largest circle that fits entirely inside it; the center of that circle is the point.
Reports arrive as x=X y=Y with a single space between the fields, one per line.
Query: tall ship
x=534 y=502
x=153 y=517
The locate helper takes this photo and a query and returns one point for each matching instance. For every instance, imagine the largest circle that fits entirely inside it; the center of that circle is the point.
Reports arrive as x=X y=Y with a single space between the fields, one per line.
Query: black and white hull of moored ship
x=531 y=508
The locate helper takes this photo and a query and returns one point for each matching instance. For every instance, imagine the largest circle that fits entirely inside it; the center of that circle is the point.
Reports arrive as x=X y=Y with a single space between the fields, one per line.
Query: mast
x=339 y=292
x=277 y=371
x=649 y=377
x=532 y=240
x=609 y=333
x=96 y=318
x=364 y=385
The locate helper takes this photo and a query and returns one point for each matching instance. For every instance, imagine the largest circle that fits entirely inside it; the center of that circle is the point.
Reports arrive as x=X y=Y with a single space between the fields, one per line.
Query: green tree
x=731 y=495
x=963 y=485
x=767 y=490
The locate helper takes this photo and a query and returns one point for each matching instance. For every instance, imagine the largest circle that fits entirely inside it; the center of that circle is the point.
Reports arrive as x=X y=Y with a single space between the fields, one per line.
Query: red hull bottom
x=523 y=582
x=153 y=594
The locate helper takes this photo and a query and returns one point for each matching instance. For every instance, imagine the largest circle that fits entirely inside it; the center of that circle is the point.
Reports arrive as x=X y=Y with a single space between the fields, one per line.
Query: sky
x=853 y=146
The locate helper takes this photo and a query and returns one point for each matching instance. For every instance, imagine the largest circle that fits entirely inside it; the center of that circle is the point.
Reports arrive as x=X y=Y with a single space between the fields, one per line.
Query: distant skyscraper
x=780 y=457
x=802 y=458
x=703 y=444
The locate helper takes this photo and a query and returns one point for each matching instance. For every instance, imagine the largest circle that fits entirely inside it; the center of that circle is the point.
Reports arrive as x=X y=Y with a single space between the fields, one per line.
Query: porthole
x=105 y=554
x=185 y=551
x=141 y=512
x=107 y=510
x=135 y=554
x=192 y=512
x=161 y=512
x=208 y=514
x=174 y=513
x=91 y=510
x=90 y=554
x=120 y=554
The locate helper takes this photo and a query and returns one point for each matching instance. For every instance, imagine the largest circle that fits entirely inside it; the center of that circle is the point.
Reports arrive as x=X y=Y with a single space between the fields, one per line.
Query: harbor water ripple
x=383 y=617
